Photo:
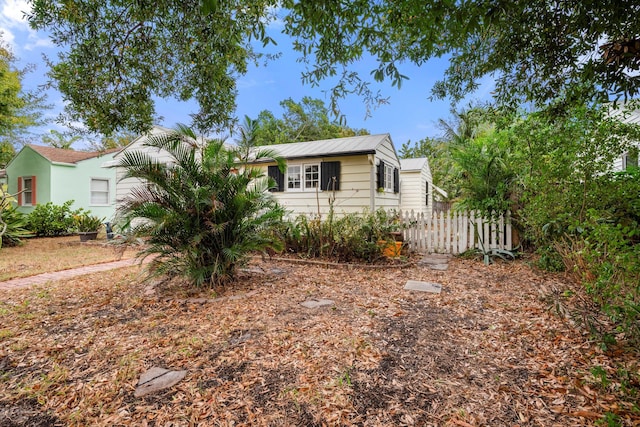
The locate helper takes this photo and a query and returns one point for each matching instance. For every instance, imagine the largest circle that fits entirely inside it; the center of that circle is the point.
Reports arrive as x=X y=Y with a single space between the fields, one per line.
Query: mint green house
x=40 y=174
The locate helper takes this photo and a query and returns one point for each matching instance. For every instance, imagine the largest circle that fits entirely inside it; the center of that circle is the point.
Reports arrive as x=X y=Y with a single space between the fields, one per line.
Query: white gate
x=455 y=232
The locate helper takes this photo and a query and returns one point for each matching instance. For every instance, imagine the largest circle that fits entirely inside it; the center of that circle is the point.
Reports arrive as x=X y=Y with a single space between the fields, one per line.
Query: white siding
x=387 y=153
x=413 y=187
x=625 y=116
x=353 y=196
x=124 y=186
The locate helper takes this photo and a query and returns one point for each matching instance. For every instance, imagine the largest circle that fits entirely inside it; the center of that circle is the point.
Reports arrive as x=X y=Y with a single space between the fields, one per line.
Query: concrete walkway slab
x=415 y=285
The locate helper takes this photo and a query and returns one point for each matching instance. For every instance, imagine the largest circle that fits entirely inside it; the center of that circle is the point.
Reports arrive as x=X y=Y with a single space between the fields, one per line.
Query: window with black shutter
x=330 y=175
x=275 y=173
x=396 y=180
x=380 y=175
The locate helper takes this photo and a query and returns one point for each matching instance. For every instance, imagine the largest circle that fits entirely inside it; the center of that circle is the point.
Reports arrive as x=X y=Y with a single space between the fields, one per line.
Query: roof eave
x=319 y=156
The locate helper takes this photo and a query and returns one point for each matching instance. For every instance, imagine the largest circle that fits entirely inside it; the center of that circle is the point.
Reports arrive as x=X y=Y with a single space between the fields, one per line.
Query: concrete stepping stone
x=156 y=379
x=317 y=303
x=415 y=285
x=441 y=267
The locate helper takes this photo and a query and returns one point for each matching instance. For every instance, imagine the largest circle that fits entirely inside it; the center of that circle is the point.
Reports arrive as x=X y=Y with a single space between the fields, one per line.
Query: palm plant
x=202 y=212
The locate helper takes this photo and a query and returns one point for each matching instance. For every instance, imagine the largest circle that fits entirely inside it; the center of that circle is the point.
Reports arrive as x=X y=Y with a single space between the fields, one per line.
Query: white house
x=353 y=173
x=124 y=186
x=630 y=157
x=416 y=185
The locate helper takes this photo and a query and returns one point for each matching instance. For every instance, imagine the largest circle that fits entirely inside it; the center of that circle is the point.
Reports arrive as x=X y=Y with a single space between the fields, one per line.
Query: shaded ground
x=487 y=351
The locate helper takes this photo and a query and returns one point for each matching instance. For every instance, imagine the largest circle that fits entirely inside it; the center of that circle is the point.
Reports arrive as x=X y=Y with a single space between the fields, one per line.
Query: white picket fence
x=455 y=232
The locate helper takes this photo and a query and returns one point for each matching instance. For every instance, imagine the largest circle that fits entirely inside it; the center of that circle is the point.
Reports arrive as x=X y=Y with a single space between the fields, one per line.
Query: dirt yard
x=490 y=350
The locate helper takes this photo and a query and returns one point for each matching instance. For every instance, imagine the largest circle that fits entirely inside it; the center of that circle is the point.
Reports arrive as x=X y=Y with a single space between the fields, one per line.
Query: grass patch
x=42 y=255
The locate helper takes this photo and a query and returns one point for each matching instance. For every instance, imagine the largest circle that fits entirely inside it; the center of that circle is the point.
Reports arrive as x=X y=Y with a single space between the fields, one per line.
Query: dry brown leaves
x=487 y=351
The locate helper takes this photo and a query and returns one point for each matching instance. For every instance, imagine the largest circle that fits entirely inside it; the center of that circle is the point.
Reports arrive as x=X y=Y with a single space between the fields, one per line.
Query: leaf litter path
x=40 y=279
x=486 y=351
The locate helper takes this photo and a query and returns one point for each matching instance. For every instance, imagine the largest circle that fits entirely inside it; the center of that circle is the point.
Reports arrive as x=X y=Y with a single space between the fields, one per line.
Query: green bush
x=203 y=215
x=12 y=223
x=353 y=237
x=52 y=220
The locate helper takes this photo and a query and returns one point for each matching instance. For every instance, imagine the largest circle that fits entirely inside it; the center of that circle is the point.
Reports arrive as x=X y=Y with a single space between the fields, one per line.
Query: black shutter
x=328 y=171
x=381 y=174
x=396 y=180
x=275 y=173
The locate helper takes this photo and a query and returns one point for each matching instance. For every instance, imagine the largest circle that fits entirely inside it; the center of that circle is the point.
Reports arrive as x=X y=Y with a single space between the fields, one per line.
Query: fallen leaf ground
x=489 y=350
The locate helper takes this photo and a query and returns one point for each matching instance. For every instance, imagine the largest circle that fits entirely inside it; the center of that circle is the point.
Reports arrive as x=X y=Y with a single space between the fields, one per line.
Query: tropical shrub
x=12 y=223
x=52 y=220
x=85 y=222
x=203 y=213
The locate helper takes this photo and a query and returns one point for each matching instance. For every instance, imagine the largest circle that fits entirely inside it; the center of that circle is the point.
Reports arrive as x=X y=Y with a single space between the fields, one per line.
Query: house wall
x=353 y=196
x=29 y=163
x=386 y=199
x=74 y=183
x=124 y=186
x=413 y=187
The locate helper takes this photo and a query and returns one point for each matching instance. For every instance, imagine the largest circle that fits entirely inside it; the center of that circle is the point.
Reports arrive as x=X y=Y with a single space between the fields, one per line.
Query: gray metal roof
x=407 y=165
x=365 y=144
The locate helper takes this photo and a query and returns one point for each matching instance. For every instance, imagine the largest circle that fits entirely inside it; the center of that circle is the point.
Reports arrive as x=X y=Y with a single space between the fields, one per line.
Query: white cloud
x=13 y=13
x=15 y=27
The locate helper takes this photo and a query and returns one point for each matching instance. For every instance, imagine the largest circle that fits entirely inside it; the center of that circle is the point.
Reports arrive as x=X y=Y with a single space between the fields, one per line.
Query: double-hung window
x=388 y=177
x=99 y=191
x=303 y=177
x=27 y=191
x=311 y=176
x=294 y=180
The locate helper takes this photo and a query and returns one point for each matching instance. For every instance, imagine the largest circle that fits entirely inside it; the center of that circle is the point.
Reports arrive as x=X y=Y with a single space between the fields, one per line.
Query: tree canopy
x=18 y=109
x=120 y=55
x=307 y=120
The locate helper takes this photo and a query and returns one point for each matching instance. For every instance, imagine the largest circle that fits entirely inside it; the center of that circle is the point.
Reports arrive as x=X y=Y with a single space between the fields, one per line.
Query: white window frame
x=631 y=154
x=92 y=191
x=25 y=192
x=301 y=170
x=316 y=180
x=297 y=180
x=388 y=177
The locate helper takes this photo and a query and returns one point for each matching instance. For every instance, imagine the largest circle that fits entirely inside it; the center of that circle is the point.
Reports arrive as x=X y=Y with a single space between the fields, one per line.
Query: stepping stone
x=441 y=267
x=317 y=303
x=415 y=285
x=156 y=379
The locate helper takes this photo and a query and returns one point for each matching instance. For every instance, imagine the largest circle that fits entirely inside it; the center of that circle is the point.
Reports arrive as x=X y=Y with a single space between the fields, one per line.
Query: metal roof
x=365 y=144
x=407 y=165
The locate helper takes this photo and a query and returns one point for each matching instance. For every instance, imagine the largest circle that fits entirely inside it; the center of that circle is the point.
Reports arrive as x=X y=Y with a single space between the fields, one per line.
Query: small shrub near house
x=84 y=222
x=202 y=216
x=48 y=220
x=351 y=238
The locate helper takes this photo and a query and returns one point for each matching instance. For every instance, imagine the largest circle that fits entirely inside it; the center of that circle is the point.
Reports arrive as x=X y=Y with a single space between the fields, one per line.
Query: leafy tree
x=117 y=56
x=307 y=120
x=115 y=140
x=18 y=109
x=7 y=152
x=60 y=140
x=535 y=49
x=204 y=213
x=487 y=175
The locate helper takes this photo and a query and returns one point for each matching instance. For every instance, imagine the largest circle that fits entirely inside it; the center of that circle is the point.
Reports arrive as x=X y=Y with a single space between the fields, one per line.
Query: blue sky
x=409 y=115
